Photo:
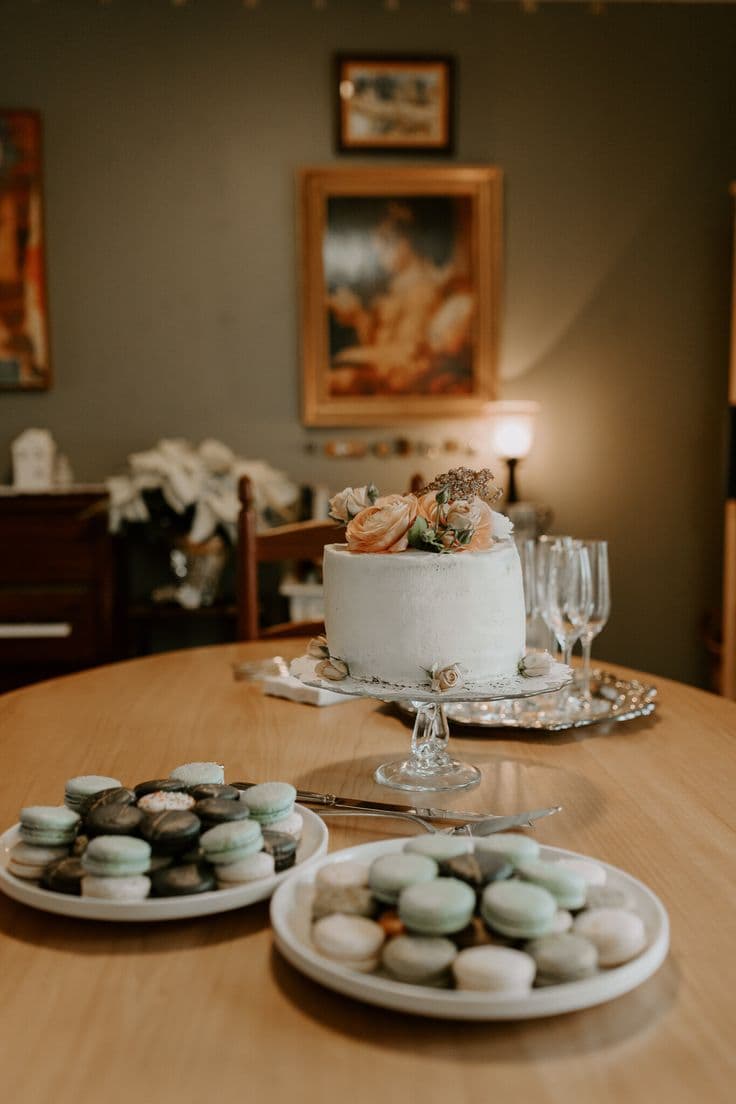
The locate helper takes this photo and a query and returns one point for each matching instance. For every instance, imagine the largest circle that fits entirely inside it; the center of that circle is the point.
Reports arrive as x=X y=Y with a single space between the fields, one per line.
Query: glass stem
x=429 y=738
x=586 y=642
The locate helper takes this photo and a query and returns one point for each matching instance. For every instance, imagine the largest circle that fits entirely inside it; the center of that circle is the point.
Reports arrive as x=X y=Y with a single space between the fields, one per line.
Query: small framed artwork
x=400 y=291
x=24 y=340
x=391 y=103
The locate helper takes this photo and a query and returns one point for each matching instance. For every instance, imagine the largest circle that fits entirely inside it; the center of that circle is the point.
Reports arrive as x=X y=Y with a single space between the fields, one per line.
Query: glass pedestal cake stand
x=429 y=767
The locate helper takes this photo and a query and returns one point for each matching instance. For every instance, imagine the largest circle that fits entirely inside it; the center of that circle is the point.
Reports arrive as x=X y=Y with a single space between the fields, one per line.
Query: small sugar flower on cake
x=442 y=679
x=536 y=665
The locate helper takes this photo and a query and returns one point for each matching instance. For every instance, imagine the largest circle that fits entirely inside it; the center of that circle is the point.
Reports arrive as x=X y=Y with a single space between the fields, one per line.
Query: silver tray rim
x=636 y=699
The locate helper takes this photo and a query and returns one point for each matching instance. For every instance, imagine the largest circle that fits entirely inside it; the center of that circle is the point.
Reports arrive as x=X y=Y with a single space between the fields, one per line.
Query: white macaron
x=353 y=941
x=618 y=934
x=494 y=970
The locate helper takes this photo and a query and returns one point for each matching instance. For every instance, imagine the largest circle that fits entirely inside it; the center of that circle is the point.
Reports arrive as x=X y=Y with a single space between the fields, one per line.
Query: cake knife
x=494 y=823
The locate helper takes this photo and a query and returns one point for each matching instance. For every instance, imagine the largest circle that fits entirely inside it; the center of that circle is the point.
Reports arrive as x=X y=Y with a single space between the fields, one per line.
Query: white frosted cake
x=396 y=617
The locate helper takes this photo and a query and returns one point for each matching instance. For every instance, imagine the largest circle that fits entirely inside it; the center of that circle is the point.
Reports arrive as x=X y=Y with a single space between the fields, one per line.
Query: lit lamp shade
x=512 y=435
x=512 y=428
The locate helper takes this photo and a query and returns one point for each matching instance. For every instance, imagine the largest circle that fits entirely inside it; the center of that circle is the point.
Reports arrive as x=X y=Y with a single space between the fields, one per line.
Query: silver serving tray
x=614 y=700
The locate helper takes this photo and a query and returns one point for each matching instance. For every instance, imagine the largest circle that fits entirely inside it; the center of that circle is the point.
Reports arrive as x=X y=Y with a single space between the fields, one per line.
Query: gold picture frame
x=400 y=292
x=394 y=103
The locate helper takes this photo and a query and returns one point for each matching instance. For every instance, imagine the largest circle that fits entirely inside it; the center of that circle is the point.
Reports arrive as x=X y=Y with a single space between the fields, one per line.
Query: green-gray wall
x=172 y=136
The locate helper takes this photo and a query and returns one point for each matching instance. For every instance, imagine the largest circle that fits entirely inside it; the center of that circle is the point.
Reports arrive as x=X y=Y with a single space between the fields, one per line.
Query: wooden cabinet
x=57 y=584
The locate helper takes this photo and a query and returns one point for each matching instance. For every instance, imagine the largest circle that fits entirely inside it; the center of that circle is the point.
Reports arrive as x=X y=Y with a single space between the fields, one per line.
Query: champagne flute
x=600 y=609
x=568 y=598
x=535 y=560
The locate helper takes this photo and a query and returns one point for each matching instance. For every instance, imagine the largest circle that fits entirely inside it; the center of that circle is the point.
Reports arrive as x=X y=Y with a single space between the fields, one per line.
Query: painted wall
x=172 y=138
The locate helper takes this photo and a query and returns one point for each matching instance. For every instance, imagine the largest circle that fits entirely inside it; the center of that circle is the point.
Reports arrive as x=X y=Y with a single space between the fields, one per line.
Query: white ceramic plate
x=290 y=918
x=312 y=846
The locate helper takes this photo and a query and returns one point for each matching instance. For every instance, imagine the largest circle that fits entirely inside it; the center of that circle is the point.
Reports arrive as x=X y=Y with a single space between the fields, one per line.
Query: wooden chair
x=304 y=540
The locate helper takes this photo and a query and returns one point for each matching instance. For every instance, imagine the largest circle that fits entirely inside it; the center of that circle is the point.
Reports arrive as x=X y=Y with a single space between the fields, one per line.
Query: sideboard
x=57 y=584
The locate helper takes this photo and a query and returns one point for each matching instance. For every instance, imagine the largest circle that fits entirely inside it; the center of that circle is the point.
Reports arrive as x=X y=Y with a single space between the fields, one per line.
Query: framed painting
x=389 y=102
x=400 y=292
x=24 y=341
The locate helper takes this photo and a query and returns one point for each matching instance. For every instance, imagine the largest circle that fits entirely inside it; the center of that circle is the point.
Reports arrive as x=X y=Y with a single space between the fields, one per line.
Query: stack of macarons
x=484 y=914
x=185 y=834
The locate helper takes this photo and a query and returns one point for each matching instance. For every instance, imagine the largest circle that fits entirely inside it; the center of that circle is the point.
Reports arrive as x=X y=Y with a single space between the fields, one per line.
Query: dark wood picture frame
x=25 y=361
x=433 y=124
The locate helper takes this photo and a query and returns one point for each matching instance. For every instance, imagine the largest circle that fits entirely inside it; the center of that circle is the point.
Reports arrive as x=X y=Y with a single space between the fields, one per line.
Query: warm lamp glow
x=512 y=428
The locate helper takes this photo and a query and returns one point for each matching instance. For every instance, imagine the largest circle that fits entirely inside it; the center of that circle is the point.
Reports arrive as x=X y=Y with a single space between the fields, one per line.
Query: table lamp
x=512 y=436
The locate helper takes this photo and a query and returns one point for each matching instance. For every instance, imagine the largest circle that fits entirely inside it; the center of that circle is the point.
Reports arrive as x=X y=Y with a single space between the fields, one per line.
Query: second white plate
x=291 y=920
x=312 y=846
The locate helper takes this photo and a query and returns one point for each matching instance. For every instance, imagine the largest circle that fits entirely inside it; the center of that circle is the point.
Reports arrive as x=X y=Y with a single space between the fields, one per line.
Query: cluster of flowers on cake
x=451 y=514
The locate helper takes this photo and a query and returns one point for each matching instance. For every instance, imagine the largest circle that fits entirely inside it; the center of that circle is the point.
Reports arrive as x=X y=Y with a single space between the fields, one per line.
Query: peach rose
x=475 y=514
x=428 y=507
x=384 y=526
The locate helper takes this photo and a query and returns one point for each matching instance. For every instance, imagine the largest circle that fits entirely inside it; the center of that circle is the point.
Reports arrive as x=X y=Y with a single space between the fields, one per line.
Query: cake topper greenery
x=451 y=514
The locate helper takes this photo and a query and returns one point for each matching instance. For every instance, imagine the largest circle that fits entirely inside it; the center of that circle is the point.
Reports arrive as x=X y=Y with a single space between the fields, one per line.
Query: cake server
x=385 y=808
x=486 y=826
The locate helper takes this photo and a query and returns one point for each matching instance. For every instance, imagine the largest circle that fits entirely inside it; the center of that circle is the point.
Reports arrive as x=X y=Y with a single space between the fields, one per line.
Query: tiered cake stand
x=429 y=766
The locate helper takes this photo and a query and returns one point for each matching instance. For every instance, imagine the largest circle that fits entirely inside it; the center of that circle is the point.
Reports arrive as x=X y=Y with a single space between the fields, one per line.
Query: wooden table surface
x=207 y=1010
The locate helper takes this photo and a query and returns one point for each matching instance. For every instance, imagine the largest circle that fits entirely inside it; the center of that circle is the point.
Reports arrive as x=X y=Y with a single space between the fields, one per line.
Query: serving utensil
x=477 y=824
x=487 y=826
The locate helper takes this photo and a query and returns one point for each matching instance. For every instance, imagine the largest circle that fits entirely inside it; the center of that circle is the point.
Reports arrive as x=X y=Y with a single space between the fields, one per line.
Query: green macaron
x=48 y=825
x=79 y=790
x=518 y=909
x=390 y=874
x=513 y=846
x=269 y=801
x=197 y=774
x=438 y=846
x=566 y=886
x=437 y=907
x=116 y=856
x=231 y=841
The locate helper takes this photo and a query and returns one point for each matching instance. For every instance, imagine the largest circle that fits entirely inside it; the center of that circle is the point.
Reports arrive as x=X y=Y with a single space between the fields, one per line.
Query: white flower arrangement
x=198 y=480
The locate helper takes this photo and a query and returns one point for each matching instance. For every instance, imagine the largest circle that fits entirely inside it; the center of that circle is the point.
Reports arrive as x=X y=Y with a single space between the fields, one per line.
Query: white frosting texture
x=392 y=617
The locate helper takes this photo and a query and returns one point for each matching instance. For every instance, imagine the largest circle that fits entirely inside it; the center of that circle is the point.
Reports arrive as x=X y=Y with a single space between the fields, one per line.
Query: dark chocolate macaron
x=171 y=832
x=178 y=881
x=113 y=820
x=219 y=810
x=64 y=876
x=116 y=795
x=168 y=785
x=206 y=790
x=477 y=868
x=282 y=847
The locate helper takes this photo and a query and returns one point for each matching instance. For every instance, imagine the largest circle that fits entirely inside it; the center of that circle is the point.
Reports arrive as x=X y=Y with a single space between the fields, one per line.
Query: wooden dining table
x=207 y=1010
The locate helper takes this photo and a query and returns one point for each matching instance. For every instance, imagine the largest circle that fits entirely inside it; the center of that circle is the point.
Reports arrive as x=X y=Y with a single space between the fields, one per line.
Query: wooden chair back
x=304 y=540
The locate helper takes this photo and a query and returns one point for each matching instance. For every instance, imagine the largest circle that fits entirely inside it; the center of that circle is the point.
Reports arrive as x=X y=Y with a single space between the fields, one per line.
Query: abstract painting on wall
x=400 y=292
x=24 y=340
